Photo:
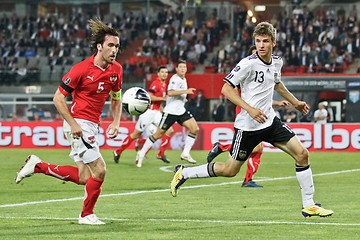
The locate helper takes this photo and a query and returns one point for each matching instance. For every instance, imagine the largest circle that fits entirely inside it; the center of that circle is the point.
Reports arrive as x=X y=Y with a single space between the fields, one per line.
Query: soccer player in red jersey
x=90 y=83
x=150 y=119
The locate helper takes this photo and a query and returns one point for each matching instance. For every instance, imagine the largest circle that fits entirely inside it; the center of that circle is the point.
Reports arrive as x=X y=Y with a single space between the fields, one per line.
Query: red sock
x=225 y=147
x=139 y=143
x=92 y=193
x=65 y=173
x=165 y=141
x=127 y=141
x=252 y=166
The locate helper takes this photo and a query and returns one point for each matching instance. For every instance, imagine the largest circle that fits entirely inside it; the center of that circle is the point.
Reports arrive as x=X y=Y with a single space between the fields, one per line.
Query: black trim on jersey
x=230 y=83
x=151 y=90
x=87 y=145
x=263 y=60
x=66 y=87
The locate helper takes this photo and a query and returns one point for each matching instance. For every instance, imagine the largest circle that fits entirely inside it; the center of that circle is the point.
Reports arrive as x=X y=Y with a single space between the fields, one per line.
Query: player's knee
x=194 y=130
x=170 y=131
x=303 y=157
x=83 y=178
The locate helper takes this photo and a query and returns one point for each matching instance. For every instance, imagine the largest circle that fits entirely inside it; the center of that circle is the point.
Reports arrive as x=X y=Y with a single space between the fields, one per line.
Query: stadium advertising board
x=316 y=137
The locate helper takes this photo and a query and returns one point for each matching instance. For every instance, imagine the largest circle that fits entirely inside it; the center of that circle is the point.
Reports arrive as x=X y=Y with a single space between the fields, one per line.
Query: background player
x=175 y=111
x=151 y=117
x=89 y=82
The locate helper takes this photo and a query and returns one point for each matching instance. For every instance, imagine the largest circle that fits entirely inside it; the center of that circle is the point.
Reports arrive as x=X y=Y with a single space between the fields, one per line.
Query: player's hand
x=303 y=107
x=190 y=90
x=112 y=131
x=76 y=131
x=258 y=115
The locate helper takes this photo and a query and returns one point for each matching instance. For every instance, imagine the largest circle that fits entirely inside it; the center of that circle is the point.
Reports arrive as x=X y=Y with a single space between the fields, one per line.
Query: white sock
x=189 y=143
x=306 y=182
x=197 y=172
x=147 y=145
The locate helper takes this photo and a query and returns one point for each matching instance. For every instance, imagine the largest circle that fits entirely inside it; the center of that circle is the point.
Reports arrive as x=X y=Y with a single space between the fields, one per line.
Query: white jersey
x=256 y=80
x=175 y=105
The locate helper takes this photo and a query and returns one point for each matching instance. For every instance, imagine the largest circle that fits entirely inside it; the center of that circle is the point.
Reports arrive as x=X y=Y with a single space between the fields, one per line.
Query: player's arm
x=62 y=107
x=281 y=103
x=116 y=109
x=154 y=98
x=285 y=93
x=232 y=94
x=173 y=92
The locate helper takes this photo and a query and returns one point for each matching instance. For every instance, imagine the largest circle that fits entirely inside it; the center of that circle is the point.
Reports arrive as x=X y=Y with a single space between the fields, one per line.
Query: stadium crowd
x=322 y=40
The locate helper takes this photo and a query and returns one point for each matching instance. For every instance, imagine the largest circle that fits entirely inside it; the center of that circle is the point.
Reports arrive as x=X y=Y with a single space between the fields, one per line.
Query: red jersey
x=158 y=89
x=90 y=86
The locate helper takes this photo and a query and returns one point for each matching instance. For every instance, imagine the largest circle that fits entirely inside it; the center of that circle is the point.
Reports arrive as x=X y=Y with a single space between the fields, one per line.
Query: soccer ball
x=136 y=101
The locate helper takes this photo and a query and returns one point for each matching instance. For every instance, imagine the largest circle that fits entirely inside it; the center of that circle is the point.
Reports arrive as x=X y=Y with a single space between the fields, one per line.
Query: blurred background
x=318 y=40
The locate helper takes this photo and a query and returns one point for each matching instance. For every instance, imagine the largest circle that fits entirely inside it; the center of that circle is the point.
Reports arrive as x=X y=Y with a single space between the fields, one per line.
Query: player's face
x=264 y=46
x=109 y=48
x=163 y=74
x=181 y=69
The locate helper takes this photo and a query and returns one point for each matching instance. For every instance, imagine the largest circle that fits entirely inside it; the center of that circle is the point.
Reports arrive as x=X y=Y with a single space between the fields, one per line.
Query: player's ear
x=99 y=46
x=274 y=44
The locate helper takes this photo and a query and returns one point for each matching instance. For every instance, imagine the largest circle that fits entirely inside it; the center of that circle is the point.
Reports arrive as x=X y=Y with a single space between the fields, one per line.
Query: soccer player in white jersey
x=174 y=111
x=258 y=75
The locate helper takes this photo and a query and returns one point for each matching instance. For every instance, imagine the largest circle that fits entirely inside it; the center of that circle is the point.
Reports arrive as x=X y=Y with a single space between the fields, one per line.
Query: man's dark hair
x=181 y=61
x=161 y=67
x=99 y=30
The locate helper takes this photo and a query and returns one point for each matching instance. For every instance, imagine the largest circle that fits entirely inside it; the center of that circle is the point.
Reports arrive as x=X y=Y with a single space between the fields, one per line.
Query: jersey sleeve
x=152 y=88
x=70 y=80
x=239 y=73
x=278 y=66
x=172 y=84
x=117 y=87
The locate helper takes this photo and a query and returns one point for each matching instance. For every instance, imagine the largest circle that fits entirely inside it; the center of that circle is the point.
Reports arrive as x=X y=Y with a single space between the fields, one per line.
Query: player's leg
x=217 y=149
x=253 y=164
x=190 y=123
x=165 y=141
x=230 y=168
x=167 y=120
x=148 y=144
x=300 y=154
x=213 y=169
x=93 y=185
x=140 y=127
x=34 y=164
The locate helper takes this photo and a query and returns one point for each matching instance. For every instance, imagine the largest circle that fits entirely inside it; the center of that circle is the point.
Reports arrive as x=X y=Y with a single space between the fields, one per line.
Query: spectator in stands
x=290 y=114
x=320 y=115
x=197 y=106
x=218 y=112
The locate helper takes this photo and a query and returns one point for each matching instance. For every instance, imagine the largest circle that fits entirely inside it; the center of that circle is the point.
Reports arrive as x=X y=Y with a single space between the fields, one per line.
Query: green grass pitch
x=136 y=202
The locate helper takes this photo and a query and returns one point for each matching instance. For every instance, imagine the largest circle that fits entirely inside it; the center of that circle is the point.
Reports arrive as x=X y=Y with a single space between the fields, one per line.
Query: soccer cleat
x=215 y=151
x=251 y=184
x=163 y=158
x=316 y=210
x=27 y=170
x=177 y=180
x=138 y=162
x=116 y=157
x=91 y=219
x=188 y=158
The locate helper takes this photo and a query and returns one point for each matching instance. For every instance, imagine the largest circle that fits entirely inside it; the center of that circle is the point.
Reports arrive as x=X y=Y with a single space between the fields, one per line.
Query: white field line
x=165 y=190
x=198 y=221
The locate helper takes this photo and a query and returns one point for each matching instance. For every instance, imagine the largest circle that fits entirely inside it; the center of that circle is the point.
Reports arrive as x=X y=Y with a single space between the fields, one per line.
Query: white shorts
x=85 y=149
x=149 y=119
